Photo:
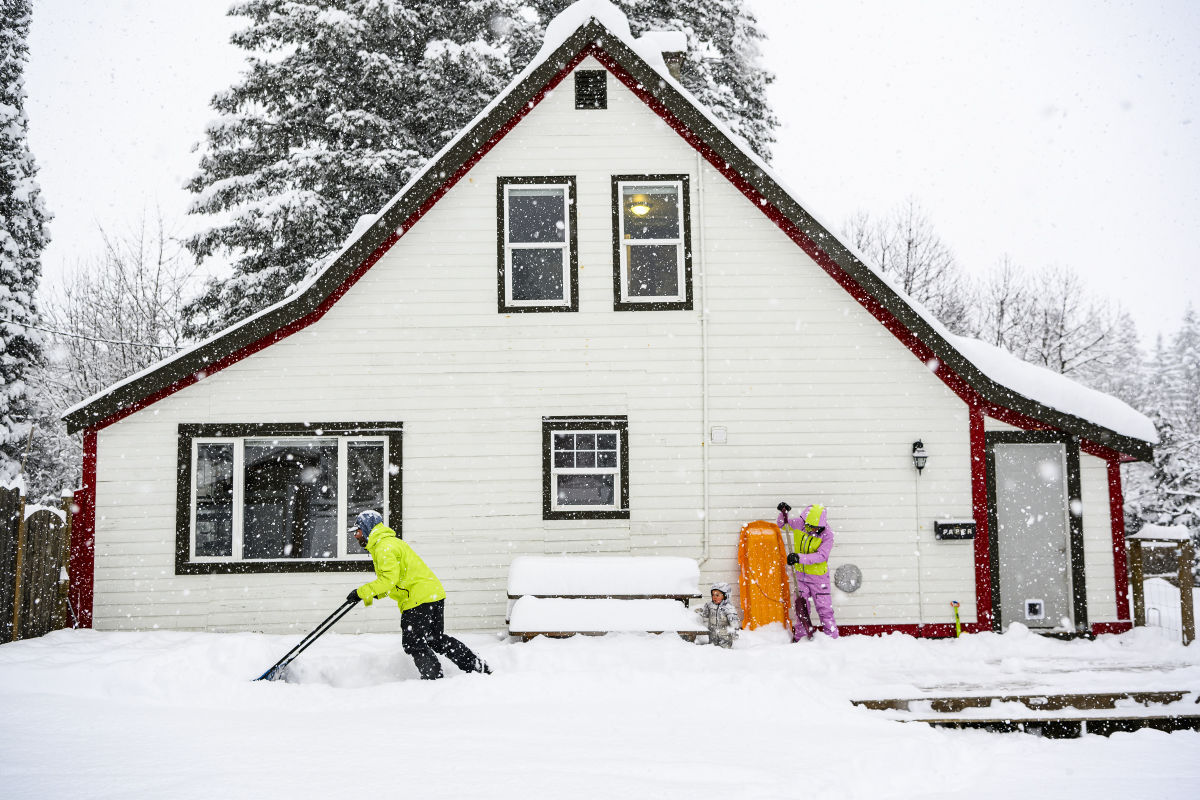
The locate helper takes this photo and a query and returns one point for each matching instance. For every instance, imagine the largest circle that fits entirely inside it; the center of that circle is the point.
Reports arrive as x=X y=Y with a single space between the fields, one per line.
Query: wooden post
x=9 y=503
x=62 y=605
x=1187 y=612
x=1135 y=583
x=16 y=619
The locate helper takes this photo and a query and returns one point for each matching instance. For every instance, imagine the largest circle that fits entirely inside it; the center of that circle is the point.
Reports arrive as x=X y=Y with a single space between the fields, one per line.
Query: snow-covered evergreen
x=22 y=238
x=1167 y=492
x=343 y=100
x=722 y=67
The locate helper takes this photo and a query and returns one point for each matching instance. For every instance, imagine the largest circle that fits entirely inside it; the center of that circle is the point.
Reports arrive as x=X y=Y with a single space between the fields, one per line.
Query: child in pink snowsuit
x=809 y=540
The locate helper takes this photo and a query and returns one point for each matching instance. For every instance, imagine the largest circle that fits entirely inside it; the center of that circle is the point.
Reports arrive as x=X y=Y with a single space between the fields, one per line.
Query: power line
x=87 y=338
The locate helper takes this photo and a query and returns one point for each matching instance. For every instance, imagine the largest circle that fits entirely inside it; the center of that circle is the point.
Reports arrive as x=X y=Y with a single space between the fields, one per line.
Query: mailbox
x=954 y=529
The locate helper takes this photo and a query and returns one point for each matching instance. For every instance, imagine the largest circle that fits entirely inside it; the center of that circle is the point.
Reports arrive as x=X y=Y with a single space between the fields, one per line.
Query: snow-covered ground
x=87 y=714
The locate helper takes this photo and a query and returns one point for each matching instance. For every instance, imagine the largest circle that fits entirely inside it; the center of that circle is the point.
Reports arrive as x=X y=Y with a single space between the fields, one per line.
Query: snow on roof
x=665 y=41
x=1172 y=533
x=1054 y=390
x=603 y=575
x=1035 y=383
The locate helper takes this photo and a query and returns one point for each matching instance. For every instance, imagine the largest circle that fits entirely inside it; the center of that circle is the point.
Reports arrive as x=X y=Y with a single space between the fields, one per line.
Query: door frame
x=1074 y=518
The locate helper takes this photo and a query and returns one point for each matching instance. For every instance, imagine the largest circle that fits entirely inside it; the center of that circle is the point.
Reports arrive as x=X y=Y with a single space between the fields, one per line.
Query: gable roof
x=995 y=381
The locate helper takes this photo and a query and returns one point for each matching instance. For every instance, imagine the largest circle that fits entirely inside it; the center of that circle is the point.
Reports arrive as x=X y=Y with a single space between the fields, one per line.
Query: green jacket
x=808 y=544
x=399 y=572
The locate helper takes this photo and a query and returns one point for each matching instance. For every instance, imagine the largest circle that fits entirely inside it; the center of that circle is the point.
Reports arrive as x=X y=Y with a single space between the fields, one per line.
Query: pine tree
x=1174 y=405
x=1167 y=490
x=721 y=66
x=344 y=100
x=22 y=238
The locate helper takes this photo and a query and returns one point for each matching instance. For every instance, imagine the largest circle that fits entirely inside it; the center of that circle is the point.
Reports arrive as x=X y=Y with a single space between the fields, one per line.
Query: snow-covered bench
x=560 y=596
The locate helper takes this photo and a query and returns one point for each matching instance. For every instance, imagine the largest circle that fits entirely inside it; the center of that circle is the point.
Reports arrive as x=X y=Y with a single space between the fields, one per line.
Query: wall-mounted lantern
x=919 y=455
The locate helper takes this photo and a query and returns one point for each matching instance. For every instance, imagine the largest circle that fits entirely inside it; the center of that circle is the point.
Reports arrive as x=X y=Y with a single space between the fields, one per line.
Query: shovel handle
x=315 y=634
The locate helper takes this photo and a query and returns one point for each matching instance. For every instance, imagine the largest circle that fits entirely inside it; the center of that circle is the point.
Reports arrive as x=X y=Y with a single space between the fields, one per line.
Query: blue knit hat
x=367 y=520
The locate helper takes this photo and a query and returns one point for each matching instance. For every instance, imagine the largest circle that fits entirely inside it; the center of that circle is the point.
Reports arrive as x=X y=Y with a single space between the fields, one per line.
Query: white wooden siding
x=821 y=404
x=1097 y=539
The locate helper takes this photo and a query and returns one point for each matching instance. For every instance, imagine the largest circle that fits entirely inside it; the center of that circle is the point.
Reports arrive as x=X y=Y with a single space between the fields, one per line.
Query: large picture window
x=585 y=468
x=537 y=253
x=280 y=498
x=652 y=258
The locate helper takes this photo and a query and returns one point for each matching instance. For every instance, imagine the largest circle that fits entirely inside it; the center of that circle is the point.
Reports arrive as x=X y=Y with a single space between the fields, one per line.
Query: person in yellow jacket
x=402 y=575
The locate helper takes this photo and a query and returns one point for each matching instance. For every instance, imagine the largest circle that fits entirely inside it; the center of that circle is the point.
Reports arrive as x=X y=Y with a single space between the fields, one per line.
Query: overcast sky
x=1060 y=134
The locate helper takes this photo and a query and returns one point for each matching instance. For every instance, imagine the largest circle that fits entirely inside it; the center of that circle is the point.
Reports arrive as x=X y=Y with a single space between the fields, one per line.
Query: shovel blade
x=274 y=674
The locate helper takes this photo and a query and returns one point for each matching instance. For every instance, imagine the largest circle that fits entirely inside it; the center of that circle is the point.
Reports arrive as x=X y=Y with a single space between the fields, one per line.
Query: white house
x=597 y=324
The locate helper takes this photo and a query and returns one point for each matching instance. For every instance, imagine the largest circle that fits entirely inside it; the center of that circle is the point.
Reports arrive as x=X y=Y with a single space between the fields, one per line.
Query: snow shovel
x=279 y=670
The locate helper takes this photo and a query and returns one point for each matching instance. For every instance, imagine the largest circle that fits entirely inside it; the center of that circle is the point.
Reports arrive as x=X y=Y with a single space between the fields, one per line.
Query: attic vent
x=591 y=88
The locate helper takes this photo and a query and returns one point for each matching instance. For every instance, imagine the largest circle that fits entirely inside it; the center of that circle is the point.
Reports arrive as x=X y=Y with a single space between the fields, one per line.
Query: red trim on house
x=1116 y=513
x=1099 y=451
x=1014 y=418
x=1019 y=420
x=82 y=562
x=931 y=630
x=1111 y=627
x=259 y=344
x=979 y=511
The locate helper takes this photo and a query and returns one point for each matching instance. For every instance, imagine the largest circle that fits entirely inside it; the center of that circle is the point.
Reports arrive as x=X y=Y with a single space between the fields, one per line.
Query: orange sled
x=765 y=589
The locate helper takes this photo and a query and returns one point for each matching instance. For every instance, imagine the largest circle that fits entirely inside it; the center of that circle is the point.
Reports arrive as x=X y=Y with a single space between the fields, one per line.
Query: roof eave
x=193 y=364
x=863 y=275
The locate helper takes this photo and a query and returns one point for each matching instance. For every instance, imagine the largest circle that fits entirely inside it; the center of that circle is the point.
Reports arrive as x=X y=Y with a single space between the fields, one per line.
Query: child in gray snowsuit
x=720 y=616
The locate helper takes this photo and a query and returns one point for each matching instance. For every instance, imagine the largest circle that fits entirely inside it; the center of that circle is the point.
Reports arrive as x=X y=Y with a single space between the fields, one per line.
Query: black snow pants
x=425 y=634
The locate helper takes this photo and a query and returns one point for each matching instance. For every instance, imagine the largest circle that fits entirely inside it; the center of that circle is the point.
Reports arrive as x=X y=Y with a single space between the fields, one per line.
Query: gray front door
x=1033 y=535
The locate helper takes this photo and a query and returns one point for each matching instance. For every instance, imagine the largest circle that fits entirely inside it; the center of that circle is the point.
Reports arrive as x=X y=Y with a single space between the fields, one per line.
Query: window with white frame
x=537 y=252
x=585 y=468
x=651 y=243
x=269 y=498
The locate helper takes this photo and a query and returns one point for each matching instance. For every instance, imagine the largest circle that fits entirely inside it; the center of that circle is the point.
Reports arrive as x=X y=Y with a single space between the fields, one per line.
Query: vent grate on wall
x=591 y=88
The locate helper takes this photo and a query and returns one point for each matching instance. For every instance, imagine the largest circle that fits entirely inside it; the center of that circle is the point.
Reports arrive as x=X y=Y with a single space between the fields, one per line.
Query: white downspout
x=703 y=299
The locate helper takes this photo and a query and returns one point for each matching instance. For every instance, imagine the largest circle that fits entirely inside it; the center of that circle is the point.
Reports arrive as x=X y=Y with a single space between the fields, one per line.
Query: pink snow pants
x=815 y=588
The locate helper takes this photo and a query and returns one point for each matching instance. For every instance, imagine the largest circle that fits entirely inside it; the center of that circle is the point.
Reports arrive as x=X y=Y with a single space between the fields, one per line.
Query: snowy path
x=175 y=715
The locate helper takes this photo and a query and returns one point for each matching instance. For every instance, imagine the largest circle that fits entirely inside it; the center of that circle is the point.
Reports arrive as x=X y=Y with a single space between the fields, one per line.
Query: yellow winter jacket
x=399 y=572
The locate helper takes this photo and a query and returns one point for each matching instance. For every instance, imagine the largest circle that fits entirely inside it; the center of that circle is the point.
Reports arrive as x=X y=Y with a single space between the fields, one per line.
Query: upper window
x=280 y=498
x=585 y=468
x=538 y=258
x=652 y=254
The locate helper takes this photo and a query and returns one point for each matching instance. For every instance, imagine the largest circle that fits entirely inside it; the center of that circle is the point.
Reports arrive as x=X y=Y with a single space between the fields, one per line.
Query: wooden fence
x=1185 y=555
x=33 y=561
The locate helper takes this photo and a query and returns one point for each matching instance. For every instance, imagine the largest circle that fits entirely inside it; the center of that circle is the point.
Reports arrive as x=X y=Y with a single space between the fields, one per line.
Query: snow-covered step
x=1052 y=716
x=1035 y=702
x=1070 y=726
x=604 y=576
x=560 y=616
